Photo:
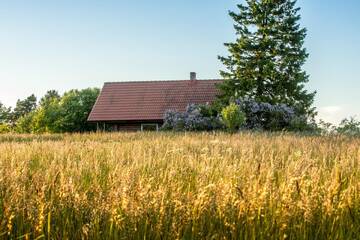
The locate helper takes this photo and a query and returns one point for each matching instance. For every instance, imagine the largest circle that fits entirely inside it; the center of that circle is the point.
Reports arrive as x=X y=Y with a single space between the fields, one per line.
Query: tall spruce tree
x=265 y=62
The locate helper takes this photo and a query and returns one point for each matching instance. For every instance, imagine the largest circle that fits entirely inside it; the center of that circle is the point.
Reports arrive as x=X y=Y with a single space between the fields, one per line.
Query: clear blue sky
x=82 y=43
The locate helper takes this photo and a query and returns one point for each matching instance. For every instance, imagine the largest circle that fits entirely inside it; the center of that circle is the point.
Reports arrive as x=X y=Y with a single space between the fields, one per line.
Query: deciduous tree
x=24 y=107
x=5 y=114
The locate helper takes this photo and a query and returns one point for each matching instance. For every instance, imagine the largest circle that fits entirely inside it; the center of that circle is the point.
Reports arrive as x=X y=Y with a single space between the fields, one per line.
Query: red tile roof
x=149 y=100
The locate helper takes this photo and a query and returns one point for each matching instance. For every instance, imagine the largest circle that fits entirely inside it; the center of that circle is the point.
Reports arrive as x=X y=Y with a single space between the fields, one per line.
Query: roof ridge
x=150 y=81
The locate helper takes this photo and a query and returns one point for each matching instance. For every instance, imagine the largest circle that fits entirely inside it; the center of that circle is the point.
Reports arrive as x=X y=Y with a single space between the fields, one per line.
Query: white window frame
x=149 y=124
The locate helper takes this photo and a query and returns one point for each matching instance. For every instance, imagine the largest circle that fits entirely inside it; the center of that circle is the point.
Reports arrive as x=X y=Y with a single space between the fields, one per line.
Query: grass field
x=179 y=186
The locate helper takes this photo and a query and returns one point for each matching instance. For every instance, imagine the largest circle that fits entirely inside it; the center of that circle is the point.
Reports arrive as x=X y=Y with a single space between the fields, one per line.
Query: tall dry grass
x=179 y=186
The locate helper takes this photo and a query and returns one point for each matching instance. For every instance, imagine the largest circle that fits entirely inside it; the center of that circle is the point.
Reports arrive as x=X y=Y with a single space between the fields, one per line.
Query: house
x=139 y=106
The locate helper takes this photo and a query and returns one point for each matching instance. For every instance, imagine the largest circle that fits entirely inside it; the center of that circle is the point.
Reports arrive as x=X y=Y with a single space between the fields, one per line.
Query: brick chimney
x=193 y=76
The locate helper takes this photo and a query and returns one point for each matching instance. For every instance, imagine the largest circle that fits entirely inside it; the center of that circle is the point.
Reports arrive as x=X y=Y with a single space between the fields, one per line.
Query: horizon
x=64 y=46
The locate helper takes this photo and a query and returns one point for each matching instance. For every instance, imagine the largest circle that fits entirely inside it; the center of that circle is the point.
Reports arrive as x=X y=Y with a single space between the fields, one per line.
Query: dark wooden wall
x=128 y=126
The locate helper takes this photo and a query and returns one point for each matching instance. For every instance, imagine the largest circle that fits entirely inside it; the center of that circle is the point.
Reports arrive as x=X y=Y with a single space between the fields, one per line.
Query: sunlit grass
x=179 y=186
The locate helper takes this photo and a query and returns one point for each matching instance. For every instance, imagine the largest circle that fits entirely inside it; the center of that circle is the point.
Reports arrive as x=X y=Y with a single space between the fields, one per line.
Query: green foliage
x=208 y=110
x=47 y=115
x=4 y=128
x=56 y=114
x=5 y=114
x=265 y=63
x=349 y=126
x=74 y=109
x=233 y=117
x=24 y=107
x=302 y=124
x=25 y=123
x=46 y=119
x=50 y=96
x=325 y=128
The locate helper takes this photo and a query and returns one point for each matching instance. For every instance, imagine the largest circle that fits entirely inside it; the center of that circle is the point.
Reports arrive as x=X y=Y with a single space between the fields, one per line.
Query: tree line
x=263 y=88
x=53 y=113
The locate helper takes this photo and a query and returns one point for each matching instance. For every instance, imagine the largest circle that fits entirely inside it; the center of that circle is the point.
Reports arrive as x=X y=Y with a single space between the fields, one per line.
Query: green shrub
x=25 y=123
x=4 y=128
x=233 y=117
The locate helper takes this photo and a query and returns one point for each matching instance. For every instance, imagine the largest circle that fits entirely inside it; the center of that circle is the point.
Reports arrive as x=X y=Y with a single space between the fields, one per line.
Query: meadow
x=179 y=186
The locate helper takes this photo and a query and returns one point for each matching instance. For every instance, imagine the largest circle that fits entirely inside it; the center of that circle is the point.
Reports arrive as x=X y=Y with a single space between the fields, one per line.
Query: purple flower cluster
x=266 y=116
x=190 y=120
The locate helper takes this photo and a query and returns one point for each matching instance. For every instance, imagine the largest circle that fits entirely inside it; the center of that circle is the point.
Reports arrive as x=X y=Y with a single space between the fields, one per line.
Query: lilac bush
x=259 y=116
x=266 y=116
x=191 y=120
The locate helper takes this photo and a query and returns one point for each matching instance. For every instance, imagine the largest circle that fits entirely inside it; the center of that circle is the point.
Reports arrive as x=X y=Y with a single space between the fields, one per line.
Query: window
x=149 y=127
